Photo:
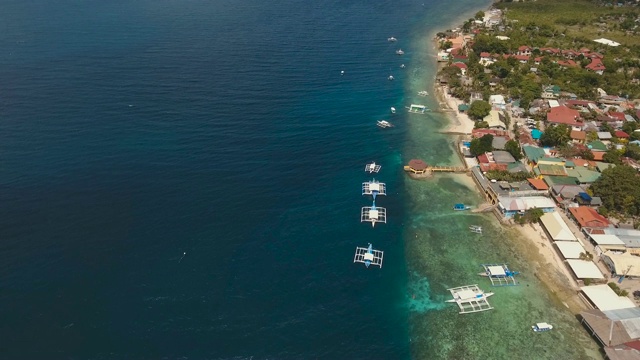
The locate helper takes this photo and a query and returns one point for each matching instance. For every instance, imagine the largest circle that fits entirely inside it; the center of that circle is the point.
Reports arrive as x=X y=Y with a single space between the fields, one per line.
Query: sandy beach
x=460 y=123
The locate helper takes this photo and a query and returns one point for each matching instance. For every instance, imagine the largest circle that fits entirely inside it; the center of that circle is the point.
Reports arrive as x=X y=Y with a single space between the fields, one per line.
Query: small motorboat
x=541 y=327
x=402 y=66
x=384 y=124
x=399 y=52
x=392 y=39
x=475 y=229
x=461 y=207
x=342 y=72
x=390 y=77
x=393 y=110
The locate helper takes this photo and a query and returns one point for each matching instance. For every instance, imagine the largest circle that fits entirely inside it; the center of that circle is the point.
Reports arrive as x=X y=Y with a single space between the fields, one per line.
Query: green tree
x=481 y=125
x=618 y=188
x=479 y=109
x=513 y=148
x=481 y=145
x=556 y=135
x=612 y=156
x=479 y=15
x=632 y=151
x=533 y=215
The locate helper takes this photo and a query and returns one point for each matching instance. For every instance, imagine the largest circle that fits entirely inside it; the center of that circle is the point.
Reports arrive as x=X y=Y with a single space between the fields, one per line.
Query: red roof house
x=588 y=217
x=563 y=115
x=621 y=134
x=596 y=65
x=617 y=115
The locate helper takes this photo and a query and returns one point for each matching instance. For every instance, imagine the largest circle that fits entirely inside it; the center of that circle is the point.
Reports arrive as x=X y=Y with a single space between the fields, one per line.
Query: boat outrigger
x=470 y=299
x=461 y=207
x=368 y=256
x=373 y=214
x=475 y=229
x=372 y=168
x=417 y=109
x=541 y=327
x=374 y=188
x=499 y=274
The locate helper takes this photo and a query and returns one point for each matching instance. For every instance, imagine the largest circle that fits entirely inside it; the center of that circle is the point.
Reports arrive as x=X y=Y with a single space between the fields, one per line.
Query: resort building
x=588 y=217
x=510 y=206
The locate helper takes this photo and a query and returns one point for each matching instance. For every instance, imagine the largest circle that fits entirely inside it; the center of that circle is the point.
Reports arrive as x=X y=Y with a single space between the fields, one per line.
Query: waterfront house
x=588 y=218
x=509 y=206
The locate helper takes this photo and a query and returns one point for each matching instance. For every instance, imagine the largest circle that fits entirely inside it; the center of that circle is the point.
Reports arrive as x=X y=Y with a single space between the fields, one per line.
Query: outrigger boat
x=399 y=52
x=417 y=109
x=390 y=77
x=372 y=168
x=384 y=124
x=476 y=229
x=393 y=110
x=470 y=298
x=423 y=93
x=368 y=256
x=392 y=39
x=541 y=327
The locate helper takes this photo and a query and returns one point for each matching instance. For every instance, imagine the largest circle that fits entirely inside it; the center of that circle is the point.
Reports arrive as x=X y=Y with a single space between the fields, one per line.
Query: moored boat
x=399 y=52
x=393 y=110
x=384 y=124
x=392 y=39
x=541 y=327
x=461 y=207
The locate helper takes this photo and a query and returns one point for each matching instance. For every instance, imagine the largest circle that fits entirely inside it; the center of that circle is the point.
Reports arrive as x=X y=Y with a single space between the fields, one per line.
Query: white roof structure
x=496 y=270
x=585 y=269
x=570 y=249
x=623 y=264
x=606 y=239
x=500 y=37
x=556 y=227
x=607 y=42
x=554 y=103
x=496 y=100
x=604 y=298
x=604 y=135
x=525 y=203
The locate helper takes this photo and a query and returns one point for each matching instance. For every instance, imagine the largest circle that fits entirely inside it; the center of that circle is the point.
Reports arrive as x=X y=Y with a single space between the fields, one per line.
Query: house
x=510 y=206
x=503 y=157
x=604 y=136
x=596 y=66
x=578 y=136
x=597 y=146
x=499 y=142
x=622 y=135
x=497 y=101
x=588 y=217
x=580 y=105
x=524 y=50
x=564 y=115
x=567 y=63
x=486 y=59
x=461 y=66
x=533 y=153
x=550 y=92
x=494 y=120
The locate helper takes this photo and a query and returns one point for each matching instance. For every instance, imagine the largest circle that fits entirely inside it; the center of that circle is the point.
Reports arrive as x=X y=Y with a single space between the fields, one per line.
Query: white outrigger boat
x=470 y=299
x=390 y=77
x=384 y=124
x=417 y=109
x=372 y=168
x=541 y=327
x=393 y=110
x=368 y=256
x=373 y=214
x=423 y=93
x=475 y=229
x=399 y=52
x=392 y=39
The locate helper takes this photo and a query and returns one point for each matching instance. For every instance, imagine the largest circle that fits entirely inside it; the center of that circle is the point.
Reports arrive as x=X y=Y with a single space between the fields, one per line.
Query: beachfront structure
x=470 y=299
x=510 y=206
x=372 y=168
x=603 y=298
x=374 y=188
x=588 y=217
x=556 y=228
x=494 y=120
x=570 y=249
x=583 y=269
x=613 y=327
x=417 y=166
x=368 y=256
x=417 y=109
x=373 y=214
x=499 y=274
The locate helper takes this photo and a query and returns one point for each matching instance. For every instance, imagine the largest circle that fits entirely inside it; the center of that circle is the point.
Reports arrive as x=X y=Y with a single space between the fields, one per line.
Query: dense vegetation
x=481 y=145
x=619 y=189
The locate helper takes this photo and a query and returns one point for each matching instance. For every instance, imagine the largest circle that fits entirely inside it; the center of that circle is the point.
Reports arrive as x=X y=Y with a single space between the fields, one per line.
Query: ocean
x=182 y=179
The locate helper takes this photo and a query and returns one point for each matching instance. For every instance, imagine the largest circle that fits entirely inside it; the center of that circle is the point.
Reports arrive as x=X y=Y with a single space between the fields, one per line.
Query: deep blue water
x=132 y=132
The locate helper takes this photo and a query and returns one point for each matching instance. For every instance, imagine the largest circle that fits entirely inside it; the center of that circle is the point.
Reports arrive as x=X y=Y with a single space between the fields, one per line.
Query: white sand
x=460 y=122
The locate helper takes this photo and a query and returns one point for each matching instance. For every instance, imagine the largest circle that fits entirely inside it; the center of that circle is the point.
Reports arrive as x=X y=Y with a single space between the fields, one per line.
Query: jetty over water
x=419 y=168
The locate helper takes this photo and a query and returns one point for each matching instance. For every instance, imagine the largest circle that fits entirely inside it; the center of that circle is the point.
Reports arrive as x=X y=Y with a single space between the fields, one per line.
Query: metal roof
x=604 y=298
x=585 y=269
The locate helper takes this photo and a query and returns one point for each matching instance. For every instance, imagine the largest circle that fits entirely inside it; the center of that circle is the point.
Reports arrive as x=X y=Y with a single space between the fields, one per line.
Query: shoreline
x=549 y=267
